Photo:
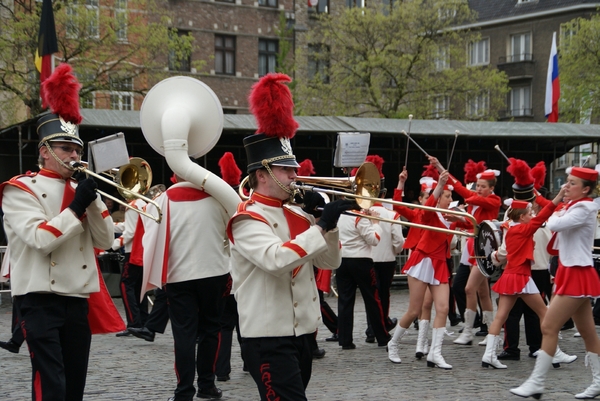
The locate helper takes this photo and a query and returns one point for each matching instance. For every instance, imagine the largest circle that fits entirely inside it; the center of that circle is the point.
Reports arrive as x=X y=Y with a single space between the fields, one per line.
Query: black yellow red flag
x=47 y=42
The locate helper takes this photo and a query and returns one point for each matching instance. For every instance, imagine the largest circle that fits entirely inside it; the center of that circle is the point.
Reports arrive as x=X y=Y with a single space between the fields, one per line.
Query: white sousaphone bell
x=180 y=118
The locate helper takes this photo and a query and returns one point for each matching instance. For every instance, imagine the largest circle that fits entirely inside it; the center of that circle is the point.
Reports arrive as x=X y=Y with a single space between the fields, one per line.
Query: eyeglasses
x=69 y=149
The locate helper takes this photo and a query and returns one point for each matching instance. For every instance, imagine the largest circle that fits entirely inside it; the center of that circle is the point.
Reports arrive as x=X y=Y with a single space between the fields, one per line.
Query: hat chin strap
x=279 y=183
x=55 y=156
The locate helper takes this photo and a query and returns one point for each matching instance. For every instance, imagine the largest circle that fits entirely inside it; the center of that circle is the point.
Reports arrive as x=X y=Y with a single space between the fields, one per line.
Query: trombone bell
x=134 y=178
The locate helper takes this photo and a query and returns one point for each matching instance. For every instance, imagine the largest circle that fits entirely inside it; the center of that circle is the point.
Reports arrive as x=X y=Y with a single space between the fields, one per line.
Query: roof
x=498 y=10
x=245 y=122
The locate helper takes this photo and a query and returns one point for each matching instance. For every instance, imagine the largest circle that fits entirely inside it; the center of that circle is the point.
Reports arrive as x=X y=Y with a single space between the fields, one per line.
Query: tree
x=123 y=46
x=400 y=59
x=579 y=66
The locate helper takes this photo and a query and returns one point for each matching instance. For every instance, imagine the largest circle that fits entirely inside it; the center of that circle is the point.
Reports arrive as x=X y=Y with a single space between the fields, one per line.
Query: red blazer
x=489 y=206
x=412 y=215
x=431 y=241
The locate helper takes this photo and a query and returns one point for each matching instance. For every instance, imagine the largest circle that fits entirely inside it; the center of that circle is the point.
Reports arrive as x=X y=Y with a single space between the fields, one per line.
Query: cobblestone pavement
x=132 y=369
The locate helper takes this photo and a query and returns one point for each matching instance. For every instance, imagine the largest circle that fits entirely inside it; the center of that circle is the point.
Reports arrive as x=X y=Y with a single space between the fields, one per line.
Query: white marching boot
x=435 y=358
x=422 y=342
x=466 y=337
x=593 y=390
x=394 y=345
x=561 y=357
x=487 y=318
x=489 y=357
x=534 y=386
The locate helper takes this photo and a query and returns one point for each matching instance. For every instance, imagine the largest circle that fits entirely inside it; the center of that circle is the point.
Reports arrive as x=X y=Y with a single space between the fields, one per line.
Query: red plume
x=306 y=168
x=272 y=105
x=538 y=172
x=431 y=171
x=61 y=93
x=230 y=172
x=378 y=162
x=520 y=171
x=472 y=169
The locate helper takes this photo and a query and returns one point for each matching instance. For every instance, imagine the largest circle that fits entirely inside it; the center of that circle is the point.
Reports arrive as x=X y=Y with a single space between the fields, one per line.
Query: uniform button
x=52 y=282
x=33 y=181
x=314 y=299
x=295 y=304
x=293 y=283
x=81 y=249
x=53 y=263
x=296 y=324
x=86 y=284
x=84 y=266
x=275 y=225
x=44 y=195
x=311 y=279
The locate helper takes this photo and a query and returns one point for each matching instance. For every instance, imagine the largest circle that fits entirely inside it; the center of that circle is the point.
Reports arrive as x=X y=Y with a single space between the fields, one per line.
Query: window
x=267 y=3
x=180 y=58
x=567 y=31
x=441 y=107
x=318 y=62
x=576 y=156
x=479 y=52
x=442 y=58
x=478 y=105
x=88 y=18
x=121 y=20
x=520 y=101
x=120 y=96
x=322 y=7
x=225 y=54
x=87 y=101
x=356 y=3
x=267 y=56
x=520 y=47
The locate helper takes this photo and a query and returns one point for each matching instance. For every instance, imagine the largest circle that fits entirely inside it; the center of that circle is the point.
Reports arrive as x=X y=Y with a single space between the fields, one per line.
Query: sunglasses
x=69 y=149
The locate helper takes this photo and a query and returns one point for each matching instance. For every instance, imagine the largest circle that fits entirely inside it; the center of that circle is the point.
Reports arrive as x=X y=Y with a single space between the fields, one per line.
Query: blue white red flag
x=552 y=85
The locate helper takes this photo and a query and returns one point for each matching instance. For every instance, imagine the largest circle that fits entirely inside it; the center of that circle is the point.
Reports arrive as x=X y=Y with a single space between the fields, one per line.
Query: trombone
x=365 y=187
x=132 y=180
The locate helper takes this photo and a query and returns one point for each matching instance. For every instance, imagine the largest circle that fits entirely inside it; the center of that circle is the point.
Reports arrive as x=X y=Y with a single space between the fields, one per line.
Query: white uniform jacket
x=392 y=238
x=575 y=228
x=51 y=250
x=191 y=241
x=129 y=225
x=274 y=247
x=358 y=236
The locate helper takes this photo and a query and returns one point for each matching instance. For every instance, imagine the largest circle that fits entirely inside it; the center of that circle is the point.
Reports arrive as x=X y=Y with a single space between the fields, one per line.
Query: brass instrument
x=132 y=180
x=365 y=187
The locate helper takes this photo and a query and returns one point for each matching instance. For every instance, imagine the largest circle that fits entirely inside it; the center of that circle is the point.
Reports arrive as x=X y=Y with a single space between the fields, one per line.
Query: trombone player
x=274 y=247
x=53 y=224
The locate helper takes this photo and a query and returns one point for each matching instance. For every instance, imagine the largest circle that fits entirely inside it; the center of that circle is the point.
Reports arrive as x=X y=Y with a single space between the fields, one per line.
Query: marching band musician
x=274 y=246
x=53 y=224
x=427 y=267
x=483 y=204
x=576 y=280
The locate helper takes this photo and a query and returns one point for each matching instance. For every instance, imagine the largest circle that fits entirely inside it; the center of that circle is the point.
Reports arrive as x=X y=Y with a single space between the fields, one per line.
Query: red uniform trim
x=186 y=194
x=53 y=230
x=241 y=211
x=105 y=214
x=295 y=247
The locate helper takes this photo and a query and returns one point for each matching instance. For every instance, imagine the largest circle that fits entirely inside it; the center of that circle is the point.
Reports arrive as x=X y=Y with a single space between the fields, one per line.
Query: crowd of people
x=263 y=270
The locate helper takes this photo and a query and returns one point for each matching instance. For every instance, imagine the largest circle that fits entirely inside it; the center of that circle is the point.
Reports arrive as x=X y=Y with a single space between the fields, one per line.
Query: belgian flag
x=47 y=43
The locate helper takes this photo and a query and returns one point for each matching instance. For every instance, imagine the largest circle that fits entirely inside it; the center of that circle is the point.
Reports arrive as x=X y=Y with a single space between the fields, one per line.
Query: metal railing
x=3 y=285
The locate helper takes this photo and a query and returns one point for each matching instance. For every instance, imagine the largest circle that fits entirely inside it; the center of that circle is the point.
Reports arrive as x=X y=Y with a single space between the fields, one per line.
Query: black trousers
x=384 y=273
x=136 y=311
x=280 y=366
x=58 y=336
x=17 y=333
x=195 y=308
x=229 y=322
x=330 y=319
x=533 y=333
x=159 y=316
x=353 y=273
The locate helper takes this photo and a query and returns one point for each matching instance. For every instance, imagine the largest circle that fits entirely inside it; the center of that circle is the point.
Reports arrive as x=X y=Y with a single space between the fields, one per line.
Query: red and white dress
x=428 y=261
x=575 y=227
x=516 y=278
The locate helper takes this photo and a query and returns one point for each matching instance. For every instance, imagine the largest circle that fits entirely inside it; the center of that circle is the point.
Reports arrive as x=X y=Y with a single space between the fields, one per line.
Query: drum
x=487 y=241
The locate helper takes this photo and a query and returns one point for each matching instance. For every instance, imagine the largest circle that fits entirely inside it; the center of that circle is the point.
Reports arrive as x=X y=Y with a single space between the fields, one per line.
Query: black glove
x=312 y=201
x=85 y=194
x=332 y=211
x=79 y=176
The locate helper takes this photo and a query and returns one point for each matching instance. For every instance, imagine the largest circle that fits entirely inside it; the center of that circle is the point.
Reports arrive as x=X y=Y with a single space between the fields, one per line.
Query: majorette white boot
x=422 y=342
x=534 y=386
x=394 y=345
x=435 y=358
x=487 y=318
x=593 y=390
x=466 y=337
x=489 y=357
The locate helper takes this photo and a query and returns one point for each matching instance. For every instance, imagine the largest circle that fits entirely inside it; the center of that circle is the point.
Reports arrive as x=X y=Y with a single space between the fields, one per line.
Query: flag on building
x=552 y=85
x=47 y=43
